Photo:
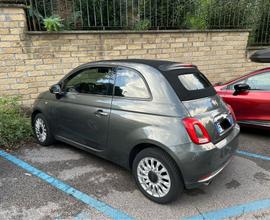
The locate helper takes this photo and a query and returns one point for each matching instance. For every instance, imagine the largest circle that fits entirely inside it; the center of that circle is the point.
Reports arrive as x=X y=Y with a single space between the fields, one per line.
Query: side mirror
x=239 y=88
x=56 y=89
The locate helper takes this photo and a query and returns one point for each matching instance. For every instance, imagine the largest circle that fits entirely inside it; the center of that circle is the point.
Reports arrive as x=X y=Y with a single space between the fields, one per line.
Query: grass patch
x=15 y=124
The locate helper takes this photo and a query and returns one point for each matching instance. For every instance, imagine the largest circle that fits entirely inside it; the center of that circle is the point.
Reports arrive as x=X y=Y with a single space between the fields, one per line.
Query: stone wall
x=32 y=61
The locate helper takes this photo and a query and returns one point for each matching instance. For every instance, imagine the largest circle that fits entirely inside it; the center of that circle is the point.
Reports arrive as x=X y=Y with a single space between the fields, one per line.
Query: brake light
x=232 y=112
x=186 y=65
x=197 y=132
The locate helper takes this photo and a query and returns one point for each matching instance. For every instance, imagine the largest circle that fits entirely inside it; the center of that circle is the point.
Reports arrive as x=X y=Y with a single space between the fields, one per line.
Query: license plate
x=230 y=118
x=220 y=129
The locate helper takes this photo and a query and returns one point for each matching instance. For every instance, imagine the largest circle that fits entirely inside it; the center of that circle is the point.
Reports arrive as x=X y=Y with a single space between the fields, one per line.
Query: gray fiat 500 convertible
x=160 y=119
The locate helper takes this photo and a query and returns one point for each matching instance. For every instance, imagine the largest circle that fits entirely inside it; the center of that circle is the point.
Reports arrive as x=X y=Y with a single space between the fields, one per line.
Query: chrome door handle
x=101 y=113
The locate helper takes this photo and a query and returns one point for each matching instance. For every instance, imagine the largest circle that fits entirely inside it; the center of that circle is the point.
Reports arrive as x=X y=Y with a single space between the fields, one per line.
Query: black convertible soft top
x=171 y=70
x=261 y=56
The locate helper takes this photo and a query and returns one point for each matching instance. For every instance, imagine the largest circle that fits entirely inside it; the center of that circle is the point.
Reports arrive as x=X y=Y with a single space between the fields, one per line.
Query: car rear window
x=189 y=83
x=194 y=81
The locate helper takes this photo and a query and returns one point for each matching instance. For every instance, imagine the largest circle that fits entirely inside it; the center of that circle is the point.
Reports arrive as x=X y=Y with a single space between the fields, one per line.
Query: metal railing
x=155 y=15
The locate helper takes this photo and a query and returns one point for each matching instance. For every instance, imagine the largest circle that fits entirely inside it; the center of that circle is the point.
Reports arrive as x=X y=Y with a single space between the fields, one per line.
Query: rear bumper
x=202 y=163
x=208 y=178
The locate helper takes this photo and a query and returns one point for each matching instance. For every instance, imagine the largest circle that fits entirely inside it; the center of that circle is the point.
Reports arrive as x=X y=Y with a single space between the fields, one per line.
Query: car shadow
x=263 y=132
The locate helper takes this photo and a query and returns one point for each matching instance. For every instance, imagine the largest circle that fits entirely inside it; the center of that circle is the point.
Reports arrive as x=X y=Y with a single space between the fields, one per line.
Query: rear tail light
x=197 y=132
x=232 y=112
x=186 y=65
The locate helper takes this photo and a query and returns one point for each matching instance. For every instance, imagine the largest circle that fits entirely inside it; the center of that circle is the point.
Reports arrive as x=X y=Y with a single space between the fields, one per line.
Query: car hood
x=46 y=95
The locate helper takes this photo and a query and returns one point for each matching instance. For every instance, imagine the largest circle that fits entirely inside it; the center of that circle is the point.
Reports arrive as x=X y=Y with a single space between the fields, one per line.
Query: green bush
x=199 y=18
x=53 y=23
x=142 y=25
x=218 y=14
x=15 y=126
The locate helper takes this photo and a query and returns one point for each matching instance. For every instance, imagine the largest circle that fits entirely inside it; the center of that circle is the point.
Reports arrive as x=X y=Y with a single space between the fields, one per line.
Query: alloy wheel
x=153 y=177
x=40 y=129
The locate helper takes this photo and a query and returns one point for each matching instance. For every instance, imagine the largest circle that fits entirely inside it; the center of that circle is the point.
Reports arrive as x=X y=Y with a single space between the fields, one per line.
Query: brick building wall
x=31 y=62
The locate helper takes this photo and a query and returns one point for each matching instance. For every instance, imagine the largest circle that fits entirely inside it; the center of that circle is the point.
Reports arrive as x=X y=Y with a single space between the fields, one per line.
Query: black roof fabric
x=153 y=63
x=261 y=56
x=181 y=91
x=171 y=70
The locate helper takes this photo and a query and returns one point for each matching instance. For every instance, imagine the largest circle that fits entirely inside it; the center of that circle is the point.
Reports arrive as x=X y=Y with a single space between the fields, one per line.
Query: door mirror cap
x=239 y=88
x=56 y=89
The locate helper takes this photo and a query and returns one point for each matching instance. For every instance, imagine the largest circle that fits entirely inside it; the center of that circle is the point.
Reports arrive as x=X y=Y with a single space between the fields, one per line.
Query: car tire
x=157 y=175
x=42 y=130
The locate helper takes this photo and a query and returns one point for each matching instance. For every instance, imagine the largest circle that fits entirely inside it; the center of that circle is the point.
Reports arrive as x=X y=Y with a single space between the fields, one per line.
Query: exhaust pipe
x=207 y=183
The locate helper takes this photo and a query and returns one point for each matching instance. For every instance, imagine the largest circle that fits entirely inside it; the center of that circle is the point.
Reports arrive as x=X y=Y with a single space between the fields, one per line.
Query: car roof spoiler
x=261 y=56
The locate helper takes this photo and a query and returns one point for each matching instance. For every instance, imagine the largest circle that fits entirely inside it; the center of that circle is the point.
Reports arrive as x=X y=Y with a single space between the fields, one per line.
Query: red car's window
x=231 y=87
x=259 y=82
x=256 y=82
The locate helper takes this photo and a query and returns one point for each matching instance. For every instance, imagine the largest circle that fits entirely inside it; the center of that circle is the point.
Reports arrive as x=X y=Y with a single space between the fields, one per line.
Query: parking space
x=92 y=188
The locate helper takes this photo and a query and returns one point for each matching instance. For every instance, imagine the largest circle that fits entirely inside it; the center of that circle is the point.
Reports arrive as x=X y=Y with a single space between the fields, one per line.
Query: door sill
x=76 y=144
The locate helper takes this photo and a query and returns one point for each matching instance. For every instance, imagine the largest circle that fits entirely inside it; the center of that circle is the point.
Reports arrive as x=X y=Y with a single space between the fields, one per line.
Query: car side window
x=231 y=86
x=97 y=81
x=259 y=82
x=130 y=84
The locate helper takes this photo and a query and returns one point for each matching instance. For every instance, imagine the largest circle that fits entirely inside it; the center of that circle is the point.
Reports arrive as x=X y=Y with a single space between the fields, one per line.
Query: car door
x=82 y=113
x=128 y=116
x=254 y=104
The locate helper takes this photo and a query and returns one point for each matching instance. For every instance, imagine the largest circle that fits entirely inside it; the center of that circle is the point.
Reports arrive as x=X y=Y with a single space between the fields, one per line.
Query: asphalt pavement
x=62 y=182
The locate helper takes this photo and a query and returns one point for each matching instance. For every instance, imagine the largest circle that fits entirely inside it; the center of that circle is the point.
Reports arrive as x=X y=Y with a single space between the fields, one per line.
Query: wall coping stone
x=12 y=5
x=257 y=47
x=134 y=32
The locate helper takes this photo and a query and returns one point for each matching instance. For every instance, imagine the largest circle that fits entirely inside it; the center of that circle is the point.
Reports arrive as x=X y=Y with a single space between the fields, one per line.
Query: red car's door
x=252 y=105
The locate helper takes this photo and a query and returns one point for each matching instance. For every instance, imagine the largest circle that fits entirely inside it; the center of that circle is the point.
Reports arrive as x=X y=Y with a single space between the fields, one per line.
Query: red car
x=249 y=97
